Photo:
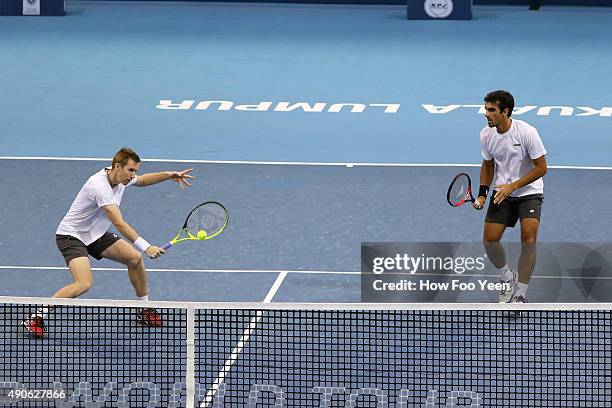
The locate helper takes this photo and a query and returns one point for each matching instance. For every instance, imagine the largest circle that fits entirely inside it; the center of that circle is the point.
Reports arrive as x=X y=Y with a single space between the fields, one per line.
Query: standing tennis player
x=84 y=231
x=515 y=161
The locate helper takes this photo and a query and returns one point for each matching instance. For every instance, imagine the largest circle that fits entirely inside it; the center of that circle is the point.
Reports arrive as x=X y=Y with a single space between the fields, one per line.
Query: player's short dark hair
x=503 y=99
x=123 y=155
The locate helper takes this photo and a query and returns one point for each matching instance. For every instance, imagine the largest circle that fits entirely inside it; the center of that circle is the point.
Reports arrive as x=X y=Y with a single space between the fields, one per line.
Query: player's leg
x=529 y=211
x=75 y=254
x=122 y=252
x=493 y=233
x=499 y=217
x=80 y=269
x=529 y=235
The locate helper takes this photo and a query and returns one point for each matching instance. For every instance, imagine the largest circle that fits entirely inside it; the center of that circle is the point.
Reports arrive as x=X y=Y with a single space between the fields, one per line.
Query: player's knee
x=135 y=259
x=84 y=285
x=528 y=239
x=490 y=238
x=529 y=235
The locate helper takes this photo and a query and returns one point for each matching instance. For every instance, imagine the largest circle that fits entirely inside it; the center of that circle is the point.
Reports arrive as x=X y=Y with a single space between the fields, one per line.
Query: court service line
x=63 y=268
x=289 y=163
x=241 y=343
x=300 y=272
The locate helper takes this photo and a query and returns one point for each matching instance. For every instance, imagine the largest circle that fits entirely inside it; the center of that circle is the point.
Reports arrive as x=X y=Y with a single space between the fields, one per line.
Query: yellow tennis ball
x=201 y=234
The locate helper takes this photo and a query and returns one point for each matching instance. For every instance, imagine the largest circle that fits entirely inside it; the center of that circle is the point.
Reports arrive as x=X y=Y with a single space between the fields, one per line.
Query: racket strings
x=459 y=190
x=209 y=217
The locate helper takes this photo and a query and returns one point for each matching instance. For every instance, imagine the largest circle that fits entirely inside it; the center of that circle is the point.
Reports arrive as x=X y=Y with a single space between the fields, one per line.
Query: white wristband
x=141 y=244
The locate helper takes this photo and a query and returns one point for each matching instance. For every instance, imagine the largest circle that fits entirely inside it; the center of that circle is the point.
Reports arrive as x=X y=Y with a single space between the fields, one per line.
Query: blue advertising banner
x=32 y=7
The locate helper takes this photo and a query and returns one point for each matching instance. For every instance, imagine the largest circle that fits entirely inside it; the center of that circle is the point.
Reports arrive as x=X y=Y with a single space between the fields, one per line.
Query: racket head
x=460 y=190
x=211 y=217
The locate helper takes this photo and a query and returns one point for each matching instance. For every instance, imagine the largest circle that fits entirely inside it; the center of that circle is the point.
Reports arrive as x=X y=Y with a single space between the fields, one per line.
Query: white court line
x=286 y=272
x=288 y=163
x=311 y=272
x=241 y=343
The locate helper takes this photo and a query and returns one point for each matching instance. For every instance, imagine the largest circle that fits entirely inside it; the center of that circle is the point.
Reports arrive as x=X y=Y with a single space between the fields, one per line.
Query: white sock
x=505 y=272
x=521 y=289
x=42 y=312
x=145 y=297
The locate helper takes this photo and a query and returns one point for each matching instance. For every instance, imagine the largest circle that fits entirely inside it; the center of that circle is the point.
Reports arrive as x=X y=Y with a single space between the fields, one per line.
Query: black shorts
x=72 y=247
x=513 y=208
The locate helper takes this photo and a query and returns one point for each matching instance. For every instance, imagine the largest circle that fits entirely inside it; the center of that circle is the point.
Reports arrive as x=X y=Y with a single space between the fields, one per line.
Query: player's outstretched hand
x=181 y=177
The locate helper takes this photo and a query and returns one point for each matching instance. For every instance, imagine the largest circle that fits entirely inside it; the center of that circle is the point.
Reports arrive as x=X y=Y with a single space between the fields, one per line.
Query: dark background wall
x=606 y=3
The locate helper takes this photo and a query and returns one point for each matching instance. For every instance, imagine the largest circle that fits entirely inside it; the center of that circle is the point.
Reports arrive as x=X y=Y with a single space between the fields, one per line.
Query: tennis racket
x=460 y=190
x=204 y=222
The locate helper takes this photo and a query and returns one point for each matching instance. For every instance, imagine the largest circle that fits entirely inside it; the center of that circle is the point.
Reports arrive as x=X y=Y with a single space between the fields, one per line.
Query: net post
x=190 y=369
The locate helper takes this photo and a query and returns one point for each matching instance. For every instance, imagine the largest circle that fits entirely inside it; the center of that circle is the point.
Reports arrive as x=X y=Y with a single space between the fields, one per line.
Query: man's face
x=493 y=115
x=128 y=172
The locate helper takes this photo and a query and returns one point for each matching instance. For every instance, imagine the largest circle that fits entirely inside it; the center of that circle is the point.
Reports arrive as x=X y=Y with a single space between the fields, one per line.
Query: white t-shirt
x=513 y=152
x=85 y=219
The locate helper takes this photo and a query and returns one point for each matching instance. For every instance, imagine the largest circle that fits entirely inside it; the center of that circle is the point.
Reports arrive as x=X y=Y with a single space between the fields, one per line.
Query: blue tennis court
x=319 y=127
x=269 y=83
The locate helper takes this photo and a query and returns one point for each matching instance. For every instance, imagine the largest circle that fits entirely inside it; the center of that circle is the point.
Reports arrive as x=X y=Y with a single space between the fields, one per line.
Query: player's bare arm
x=181 y=177
x=539 y=170
x=114 y=215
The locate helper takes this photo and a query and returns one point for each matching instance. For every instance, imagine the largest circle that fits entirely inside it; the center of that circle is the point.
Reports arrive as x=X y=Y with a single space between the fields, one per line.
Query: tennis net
x=217 y=355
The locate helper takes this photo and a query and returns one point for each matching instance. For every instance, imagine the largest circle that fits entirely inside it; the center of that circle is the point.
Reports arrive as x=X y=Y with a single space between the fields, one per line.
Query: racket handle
x=166 y=245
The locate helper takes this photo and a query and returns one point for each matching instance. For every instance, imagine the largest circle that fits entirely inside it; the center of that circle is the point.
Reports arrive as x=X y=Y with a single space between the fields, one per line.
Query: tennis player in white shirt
x=514 y=164
x=84 y=231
